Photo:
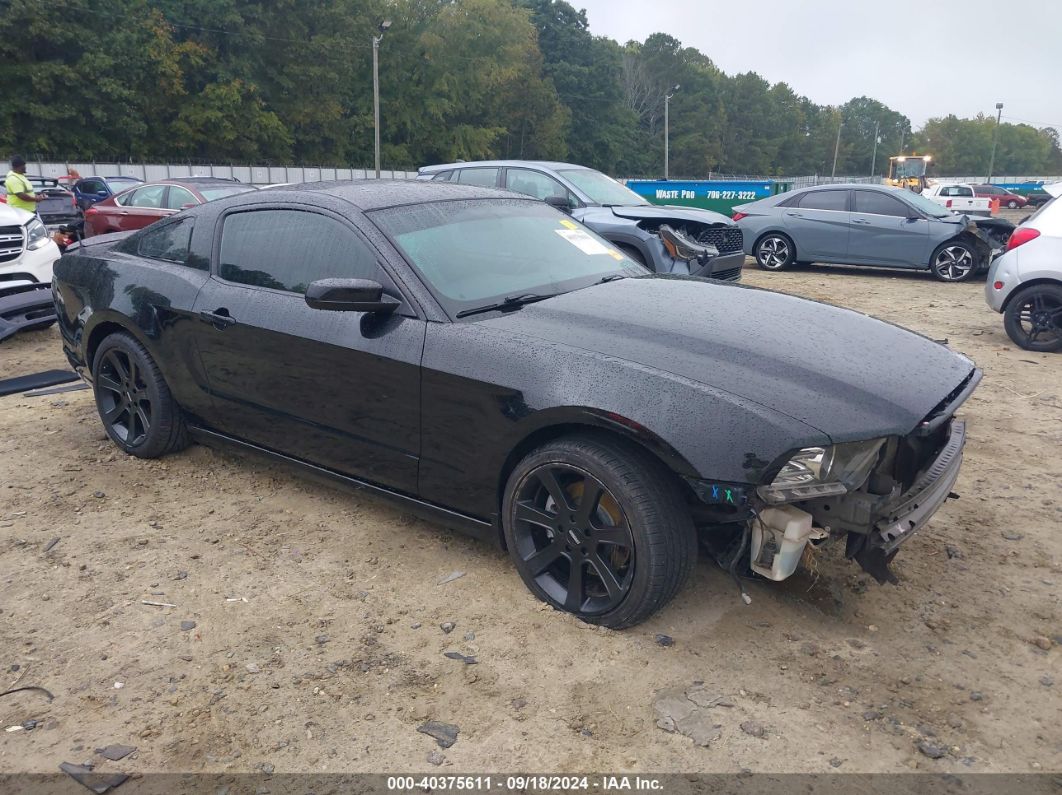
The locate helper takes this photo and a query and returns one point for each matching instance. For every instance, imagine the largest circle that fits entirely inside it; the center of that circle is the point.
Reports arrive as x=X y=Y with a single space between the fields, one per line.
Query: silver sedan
x=868 y=225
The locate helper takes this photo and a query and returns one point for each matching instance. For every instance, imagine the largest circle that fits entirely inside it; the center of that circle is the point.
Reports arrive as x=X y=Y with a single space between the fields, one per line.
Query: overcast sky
x=958 y=57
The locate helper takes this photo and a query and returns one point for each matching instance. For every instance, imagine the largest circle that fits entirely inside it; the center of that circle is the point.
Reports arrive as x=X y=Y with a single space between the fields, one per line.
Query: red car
x=1006 y=198
x=137 y=207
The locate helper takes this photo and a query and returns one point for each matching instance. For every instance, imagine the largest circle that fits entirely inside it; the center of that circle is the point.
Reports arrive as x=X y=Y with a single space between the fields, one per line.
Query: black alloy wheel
x=1033 y=319
x=133 y=400
x=598 y=528
x=125 y=406
x=573 y=539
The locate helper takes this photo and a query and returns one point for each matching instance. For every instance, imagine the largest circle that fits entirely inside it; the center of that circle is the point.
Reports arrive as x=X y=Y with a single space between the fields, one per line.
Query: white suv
x=27 y=253
x=1025 y=284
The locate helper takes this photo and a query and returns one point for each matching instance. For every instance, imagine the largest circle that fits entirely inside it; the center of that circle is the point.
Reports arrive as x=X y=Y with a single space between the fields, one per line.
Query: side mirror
x=559 y=202
x=349 y=295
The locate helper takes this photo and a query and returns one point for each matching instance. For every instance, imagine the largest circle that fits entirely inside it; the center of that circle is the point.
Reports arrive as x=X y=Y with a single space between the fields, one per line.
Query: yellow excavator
x=909 y=171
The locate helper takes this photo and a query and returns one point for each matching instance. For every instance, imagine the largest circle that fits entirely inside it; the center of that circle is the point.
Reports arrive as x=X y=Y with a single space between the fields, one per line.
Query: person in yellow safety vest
x=19 y=190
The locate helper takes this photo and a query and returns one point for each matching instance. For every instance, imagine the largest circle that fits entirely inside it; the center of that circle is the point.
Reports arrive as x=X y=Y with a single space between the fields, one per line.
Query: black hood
x=846 y=374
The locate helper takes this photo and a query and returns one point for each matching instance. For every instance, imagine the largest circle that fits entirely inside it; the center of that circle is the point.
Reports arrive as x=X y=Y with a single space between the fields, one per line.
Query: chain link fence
x=252 y=175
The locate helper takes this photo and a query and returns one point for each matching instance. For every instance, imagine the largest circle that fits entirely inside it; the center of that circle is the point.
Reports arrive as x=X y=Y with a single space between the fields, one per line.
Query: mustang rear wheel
x=133 y=400
x=598 y=528
x=1034 y=318
x=774 y=252
x=954 y=262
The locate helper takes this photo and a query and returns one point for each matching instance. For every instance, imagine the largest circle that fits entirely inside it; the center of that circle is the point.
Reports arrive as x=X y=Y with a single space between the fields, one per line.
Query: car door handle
x=860 y=221
x=794 y=215
x=219 y=318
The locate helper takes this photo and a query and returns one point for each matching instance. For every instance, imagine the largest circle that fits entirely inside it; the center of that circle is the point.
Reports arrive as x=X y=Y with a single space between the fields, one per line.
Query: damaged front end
x=711 y=250
x=876 y=494
x=990 y=235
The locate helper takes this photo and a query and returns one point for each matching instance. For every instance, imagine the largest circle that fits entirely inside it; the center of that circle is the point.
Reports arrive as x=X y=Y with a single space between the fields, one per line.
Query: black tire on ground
x=1033 y=318
x=613 y=558
x=135 y=404
x=954 y=261
x=774 y=252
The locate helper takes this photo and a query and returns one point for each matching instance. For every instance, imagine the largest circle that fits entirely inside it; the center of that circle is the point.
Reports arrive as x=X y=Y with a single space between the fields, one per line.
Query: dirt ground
x=317 y=644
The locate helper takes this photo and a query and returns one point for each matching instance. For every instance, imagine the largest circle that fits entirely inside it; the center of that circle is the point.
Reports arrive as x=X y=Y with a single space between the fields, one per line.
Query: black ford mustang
x=498 y=367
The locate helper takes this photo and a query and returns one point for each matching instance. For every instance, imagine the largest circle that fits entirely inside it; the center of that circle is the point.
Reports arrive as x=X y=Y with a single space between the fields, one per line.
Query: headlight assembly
x=822 y=472
x=36 y=235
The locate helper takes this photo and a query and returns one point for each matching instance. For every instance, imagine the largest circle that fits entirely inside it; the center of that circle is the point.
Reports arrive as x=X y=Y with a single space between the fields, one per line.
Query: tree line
x=289 y=81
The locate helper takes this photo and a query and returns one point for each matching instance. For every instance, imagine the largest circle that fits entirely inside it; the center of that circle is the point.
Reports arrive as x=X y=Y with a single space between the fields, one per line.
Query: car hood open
x=846 y=374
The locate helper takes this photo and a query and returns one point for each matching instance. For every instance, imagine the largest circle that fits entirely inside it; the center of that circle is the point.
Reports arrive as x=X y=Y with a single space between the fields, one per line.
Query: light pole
x=376 y=90
x=995 y=137
x=836 y=146
x=667 y=103
x=874 y=157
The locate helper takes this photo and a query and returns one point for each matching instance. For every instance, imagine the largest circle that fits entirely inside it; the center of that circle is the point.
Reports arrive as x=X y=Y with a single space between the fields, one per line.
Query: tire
x=954 y=261
x=1033 y=318
x=633 y=554
x=134 y=403
x=1013 y=205
x=774 y=252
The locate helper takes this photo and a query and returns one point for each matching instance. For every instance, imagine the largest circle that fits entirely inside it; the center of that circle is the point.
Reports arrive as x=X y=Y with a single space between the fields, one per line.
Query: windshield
x=927 y=206
x=220 y=193
x=911 y=167
x=479 y=252
x=601 y=189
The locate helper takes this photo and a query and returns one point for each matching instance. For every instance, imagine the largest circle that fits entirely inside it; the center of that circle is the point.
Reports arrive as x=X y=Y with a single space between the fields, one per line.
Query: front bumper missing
x=915 y=506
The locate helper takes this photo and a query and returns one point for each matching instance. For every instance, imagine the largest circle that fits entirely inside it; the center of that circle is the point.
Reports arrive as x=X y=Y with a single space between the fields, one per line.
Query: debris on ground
x=445 y=734
x=186 y=626
x=932 y=750
x=435 y=758
x=97 y=782
x=447 y=626
x=754 y=728
x=664 y=640
x=678 y=712
x=51 y=545
x=116 y=752
x=456 y=655
x=453 y=575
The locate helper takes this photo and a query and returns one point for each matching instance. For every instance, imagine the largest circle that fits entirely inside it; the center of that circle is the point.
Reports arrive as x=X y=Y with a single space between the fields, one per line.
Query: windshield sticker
x=582 y=241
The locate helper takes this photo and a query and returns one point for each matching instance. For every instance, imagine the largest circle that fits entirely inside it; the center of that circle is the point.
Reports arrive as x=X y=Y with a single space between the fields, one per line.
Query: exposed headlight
x=822 y=472
x=36 y=235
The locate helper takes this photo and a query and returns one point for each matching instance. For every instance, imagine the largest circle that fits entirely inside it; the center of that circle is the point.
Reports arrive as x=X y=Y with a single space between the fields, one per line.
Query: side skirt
x=425 y=510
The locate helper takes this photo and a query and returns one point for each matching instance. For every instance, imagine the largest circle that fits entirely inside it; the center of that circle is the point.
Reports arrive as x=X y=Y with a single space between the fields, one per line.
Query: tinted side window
x=534 y=184
x=879 y=204
x=168 y=242
x=825 y=200
x=443 y=176
x=484 y=177
x=288 y=249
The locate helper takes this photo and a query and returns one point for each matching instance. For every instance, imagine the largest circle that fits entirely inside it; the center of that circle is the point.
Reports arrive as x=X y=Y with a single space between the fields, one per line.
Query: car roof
x=374 y=194
x=550 y=164
x=200 y=181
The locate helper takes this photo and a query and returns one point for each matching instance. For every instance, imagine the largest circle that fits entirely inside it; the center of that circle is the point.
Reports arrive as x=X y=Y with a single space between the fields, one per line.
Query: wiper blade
x=610 y=278
x=510 y=302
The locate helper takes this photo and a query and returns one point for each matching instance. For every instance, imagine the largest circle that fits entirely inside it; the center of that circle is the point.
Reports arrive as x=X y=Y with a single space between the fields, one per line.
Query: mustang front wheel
x=1034 y=318
x=599 y=529
x=134 y=402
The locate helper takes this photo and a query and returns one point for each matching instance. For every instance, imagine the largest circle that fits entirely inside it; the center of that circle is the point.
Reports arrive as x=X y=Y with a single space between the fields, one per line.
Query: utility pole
x=995 y=138
x=376 y=91
x=874 y=157
x=836 y=146
x=667 y=132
